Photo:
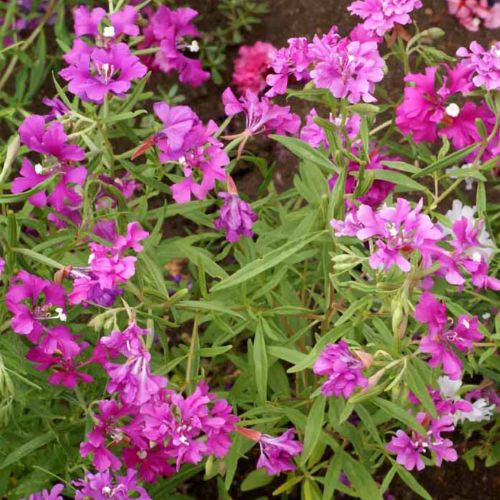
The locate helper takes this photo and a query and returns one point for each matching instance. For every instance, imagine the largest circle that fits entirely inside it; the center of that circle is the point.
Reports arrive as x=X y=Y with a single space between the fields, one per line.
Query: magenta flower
x=292 y=61
x=168 y=30
x=410 y=448
x=441 y=340
x=343 y=369
x=33 y=301
x=381 y=16
x=108 y=268
x=2 y=265
x=88 y=22
x=349 y=69
x=57 y=107
x=103 y=486
x=132 y=379
x=485 y=64
x=252 y=65
x=276 y=453
x=28 y=179
x=236 y=217
x=48 y=140
x=93 y=73
x=194 y=146
x=398 y=231
x=53 y=494
x=426 y=112
x=260 y=114
x=178 y=122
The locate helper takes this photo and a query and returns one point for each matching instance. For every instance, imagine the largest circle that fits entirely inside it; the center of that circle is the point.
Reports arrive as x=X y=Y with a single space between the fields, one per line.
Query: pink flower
x=349 y=69
x=168 y=30
x=292 y=61
x=410 y=448
x=199 y=153
x=87 y=22
x=236 y=217
x=103 y=486
x=276 y=453
x=398 y=231
x=484 y=63
x=2 y=265
x=440 y=341
x=343 y=369
x=132 y=379
x=53 y=494
x=260 y=114
x=93 y=73
x=108 y=268
x=28 y=179
x=471 y=13
x=252 y=65
x=33 y=301
x=48 y=140
x=381 y=16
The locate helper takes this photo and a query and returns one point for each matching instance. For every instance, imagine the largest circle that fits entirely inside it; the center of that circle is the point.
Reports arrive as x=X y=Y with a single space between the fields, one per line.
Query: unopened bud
x=365 y=357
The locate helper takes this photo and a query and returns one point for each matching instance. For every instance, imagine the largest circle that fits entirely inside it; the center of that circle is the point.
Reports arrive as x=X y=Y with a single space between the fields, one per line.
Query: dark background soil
x=285 y=19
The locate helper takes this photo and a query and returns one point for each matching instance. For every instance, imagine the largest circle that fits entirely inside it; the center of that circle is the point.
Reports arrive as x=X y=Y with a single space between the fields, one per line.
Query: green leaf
x=452 y=159
x=413 y=483
x=314 y=425
x=305 y=152
x=332 y=475
x=15 y=198
x=419 y=387
x=256 y=479
x=361 y=479
x=260 y=363
x=395 y=411
x=399 y=180
x=27 y=449
x=268 y=261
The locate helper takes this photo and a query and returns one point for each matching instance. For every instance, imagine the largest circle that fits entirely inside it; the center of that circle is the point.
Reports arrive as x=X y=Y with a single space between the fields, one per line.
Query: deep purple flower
x=484 y=63
x=343 y=369
x=276 y=453
x=93 y=73
x=103 y=486
x=381 y=16
x=236 y=217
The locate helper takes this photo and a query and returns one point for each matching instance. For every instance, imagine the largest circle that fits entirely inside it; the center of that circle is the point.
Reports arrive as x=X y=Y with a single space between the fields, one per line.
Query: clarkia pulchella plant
x=158 y=326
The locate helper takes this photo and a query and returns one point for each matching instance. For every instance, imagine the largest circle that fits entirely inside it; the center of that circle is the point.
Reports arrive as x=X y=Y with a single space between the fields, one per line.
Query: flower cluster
x=106 y=66
x=109 y=267
x=58 y=159
x=442 y=339
x=251 y=66
x=36 y=304
x=472 y=14
x=427 y=112
x=170 y=31
x=382 y=16
x=158 y=428
x=343 y=368
x=410 y=448
x=348 y=67
x=485 y=64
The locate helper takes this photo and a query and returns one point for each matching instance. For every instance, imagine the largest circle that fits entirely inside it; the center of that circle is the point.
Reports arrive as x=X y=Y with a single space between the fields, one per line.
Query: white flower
x=457 y=212
x=449 y=388
x=480 y=412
